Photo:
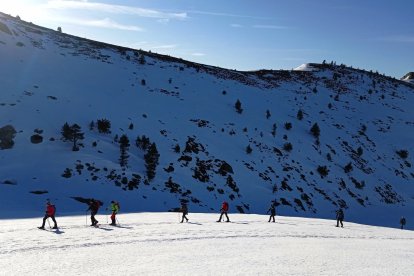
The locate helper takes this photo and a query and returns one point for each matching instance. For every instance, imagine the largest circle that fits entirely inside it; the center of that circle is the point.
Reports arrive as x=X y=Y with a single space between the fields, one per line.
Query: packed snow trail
x=157 y=244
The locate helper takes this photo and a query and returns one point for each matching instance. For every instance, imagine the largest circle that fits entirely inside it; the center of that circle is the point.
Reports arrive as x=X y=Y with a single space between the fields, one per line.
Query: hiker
x=339 y=217
x=224 y=209
x=272 y=211
x=184 y=210
x=93 y=207
x=402 y=222
x=115 y=209
x=50 y=213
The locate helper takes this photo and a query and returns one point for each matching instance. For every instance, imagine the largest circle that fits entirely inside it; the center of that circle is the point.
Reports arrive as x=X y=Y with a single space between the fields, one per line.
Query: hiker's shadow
x=105 y=229
x=125 y=227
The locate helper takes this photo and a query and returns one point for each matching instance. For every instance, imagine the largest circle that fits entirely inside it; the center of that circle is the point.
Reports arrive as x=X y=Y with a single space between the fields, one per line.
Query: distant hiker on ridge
x=184 y=210
x=224 y=209
x=402 y=222
x=114 y=207
x=93 y=207
x=272 y=211
x=339 y=217
x=50 y=213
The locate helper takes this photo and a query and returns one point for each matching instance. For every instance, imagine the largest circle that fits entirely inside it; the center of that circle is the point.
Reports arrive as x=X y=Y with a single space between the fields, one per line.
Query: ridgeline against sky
x=242 y=34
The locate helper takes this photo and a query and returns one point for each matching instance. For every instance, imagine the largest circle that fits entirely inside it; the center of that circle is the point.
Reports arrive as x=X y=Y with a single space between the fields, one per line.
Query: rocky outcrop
x=7 y=134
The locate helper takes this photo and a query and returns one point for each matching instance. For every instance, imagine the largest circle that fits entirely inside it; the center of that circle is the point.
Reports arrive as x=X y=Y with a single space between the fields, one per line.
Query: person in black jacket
x=272 y=211
x=184 y=210
x=93 y=207
x=340 y=217
x=402 y=222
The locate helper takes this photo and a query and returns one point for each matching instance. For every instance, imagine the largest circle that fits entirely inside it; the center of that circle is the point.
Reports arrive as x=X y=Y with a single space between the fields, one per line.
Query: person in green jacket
x=114 y=207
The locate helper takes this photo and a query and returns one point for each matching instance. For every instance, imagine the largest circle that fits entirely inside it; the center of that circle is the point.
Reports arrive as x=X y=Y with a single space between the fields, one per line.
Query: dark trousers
x=221 y=215
x=339 y=220
x=113 y=218
x=272 y=216
x=46 y=217
x=184 y=217
x=93 y=219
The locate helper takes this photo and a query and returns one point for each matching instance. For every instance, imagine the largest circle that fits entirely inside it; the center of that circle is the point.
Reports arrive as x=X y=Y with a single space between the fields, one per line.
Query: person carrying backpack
x=184 y=210
x=224 y=209
x=272 y=211
x=93 y=207
x=50 y=213
x=402 y=222
x=339 y=217
x=115 y=209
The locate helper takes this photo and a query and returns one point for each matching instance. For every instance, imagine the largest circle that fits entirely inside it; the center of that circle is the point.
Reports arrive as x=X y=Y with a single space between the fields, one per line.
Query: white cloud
x=227 y=14
x=110 y=24
x=102 y=23
x=276 y=27
x=115 y=9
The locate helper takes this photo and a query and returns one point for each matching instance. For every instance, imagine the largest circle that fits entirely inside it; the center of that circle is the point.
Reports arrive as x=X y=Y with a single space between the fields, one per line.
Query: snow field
x=157 y=244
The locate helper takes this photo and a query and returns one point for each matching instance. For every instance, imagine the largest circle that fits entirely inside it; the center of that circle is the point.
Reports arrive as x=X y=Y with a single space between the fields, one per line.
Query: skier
x=184 y=210
x=339 y=217
x=272 y=211
x=402 y=222
x=115 y=209
x=50 y=213
x=93 y=207
x=224 y=209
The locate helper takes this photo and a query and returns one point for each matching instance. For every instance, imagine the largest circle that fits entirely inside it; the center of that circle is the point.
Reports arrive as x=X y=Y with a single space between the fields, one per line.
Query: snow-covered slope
x=307 y=67
x=409 y=77
x=156 y=244
x=361 y=160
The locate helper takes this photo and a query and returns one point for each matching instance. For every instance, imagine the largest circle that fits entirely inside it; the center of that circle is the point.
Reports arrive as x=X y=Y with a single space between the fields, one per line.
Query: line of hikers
x=114 y=207
x=94 y=206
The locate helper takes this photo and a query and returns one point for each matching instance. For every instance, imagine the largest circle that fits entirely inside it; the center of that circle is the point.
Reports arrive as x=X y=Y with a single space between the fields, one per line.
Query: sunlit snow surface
x=157 y=244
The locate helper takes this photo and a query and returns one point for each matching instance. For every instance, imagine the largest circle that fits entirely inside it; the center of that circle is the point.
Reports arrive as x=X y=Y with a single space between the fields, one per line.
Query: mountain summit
x=81 y=119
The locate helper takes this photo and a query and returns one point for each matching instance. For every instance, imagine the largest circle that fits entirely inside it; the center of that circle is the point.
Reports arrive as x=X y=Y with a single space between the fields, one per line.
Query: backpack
x=225 y=206
x=118 y=206
x=96 y=205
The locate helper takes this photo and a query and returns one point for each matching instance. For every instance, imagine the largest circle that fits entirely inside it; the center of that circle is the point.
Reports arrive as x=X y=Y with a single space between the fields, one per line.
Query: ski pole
x=48 y=222
x=86 y=218
x=117 y=221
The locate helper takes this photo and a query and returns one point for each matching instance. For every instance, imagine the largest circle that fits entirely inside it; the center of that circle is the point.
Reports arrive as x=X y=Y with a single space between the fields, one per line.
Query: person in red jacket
x=224 y=209
x=50 y=213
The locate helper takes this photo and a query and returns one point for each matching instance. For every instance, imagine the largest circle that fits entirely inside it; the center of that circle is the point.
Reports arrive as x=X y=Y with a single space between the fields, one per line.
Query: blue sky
x=242 y=34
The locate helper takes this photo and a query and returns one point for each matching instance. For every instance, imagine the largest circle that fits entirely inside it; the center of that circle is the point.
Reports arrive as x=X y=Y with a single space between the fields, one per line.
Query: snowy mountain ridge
x=314 y=140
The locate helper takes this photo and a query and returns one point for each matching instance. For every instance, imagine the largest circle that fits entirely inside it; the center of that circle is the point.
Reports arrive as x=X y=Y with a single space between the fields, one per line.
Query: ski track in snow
x=153 y=243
